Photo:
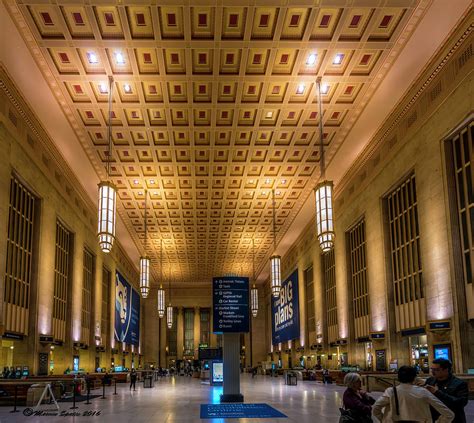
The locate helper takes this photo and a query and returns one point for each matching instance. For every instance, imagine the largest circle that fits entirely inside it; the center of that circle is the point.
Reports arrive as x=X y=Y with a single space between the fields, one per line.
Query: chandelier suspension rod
x=321 y=145
x=146 y=223
x=274 y=221
x=253 y=260
x=109 y=129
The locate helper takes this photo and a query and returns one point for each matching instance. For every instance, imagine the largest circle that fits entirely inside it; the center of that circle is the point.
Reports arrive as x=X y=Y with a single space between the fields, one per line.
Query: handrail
x=390 y=382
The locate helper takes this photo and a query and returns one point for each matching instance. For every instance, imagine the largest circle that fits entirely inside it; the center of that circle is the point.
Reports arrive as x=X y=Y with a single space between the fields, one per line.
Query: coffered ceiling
x=214 y=107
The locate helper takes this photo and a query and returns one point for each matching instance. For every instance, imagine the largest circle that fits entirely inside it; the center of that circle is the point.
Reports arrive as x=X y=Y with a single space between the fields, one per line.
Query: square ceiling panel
x=216 y=104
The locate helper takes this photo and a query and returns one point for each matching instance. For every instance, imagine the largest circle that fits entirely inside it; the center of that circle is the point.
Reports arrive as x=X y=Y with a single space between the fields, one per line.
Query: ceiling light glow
x=127 y=88
x=92 y=57
x=311 y=59
x=338 y=59
x=103 y=88
x=300 y=89
x=119 y=58
x=324 y=88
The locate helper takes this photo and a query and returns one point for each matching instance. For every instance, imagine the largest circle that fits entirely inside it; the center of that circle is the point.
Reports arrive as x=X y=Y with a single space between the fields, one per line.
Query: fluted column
x=197 y=330
x=231 y=389
x=180 y=334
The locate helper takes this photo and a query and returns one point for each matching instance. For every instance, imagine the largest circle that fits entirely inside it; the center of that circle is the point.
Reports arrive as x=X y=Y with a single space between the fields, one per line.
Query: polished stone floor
x=177 y=400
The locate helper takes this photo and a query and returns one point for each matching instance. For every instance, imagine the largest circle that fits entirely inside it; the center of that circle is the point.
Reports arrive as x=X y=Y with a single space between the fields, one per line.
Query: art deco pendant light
x=275 y=268
x=169 y=309
x=254 y=290
x=145 y=261
x=323 y=192
x=107 y=194
x=161 y=292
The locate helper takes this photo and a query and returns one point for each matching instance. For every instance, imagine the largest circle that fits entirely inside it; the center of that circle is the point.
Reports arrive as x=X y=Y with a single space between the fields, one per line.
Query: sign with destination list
x=230 y=299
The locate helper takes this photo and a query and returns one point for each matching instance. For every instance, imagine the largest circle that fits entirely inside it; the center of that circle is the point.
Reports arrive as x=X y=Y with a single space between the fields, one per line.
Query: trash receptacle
x=291 y=378
x=148 y=381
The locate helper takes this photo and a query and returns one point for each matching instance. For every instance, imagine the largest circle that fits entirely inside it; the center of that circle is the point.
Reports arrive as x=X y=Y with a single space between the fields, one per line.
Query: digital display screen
x=217 y=372
x=441 y=352
x=75 y=364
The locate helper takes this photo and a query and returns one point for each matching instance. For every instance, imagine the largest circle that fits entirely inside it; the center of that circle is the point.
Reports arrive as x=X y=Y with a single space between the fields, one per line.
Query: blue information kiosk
x=230 y=297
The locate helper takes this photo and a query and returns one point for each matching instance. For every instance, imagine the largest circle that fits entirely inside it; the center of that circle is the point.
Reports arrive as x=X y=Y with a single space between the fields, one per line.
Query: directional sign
x=230 y=296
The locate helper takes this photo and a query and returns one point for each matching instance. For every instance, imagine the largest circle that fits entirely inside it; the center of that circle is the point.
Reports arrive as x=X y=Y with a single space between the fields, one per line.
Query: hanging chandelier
x=323 y=192
x=107 y=194
x=161 y=291
x=169 y=309
x=275 y=267
x=254 y=290
x=145 y=261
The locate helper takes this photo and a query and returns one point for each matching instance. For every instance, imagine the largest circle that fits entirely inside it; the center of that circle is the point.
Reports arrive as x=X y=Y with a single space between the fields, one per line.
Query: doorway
x=419 y=352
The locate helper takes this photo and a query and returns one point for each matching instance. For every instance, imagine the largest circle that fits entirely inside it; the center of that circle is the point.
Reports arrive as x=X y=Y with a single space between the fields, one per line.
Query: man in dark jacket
x=450 y=390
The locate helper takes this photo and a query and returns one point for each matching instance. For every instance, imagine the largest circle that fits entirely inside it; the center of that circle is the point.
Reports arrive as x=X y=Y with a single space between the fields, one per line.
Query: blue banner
x=230 y=299
x=127 y=312
x=286 y=311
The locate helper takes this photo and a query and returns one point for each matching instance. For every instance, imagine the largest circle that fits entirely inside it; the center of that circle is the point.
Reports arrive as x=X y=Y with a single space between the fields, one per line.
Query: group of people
x=441 y=398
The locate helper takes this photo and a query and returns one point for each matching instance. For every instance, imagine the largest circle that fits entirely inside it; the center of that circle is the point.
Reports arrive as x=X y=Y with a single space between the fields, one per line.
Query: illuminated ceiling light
x=103 y=88
x=283 y=181
x=269 y=115
x=152 y=182
x=169 y=316
x=275 y=265
x=300 y=89
x=338 y=59
x=267 y=181
x=92 y=57
x=145 y=261
x=254 y=290
x=169 y=309
x=135 y=181
x=323 y=193
x=161 y=302
x=107 y=195
x=127 y=88
x=161 y=292
x=311 y=59
x=324 y=89
x=119 y=58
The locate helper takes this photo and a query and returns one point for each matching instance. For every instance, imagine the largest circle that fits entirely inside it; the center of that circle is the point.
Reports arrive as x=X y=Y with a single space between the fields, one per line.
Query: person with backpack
x=408 y=402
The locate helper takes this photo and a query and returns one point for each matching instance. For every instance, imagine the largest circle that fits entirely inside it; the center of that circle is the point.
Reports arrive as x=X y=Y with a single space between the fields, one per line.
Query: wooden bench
x=7 y=392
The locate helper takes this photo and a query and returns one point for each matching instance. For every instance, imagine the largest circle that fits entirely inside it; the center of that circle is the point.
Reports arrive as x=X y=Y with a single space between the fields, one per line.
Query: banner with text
x=230 y=300
x=286 y=312
x=127 y=312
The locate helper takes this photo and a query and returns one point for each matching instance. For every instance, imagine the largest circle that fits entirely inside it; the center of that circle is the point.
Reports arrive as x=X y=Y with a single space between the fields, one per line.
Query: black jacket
x=454 y=394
